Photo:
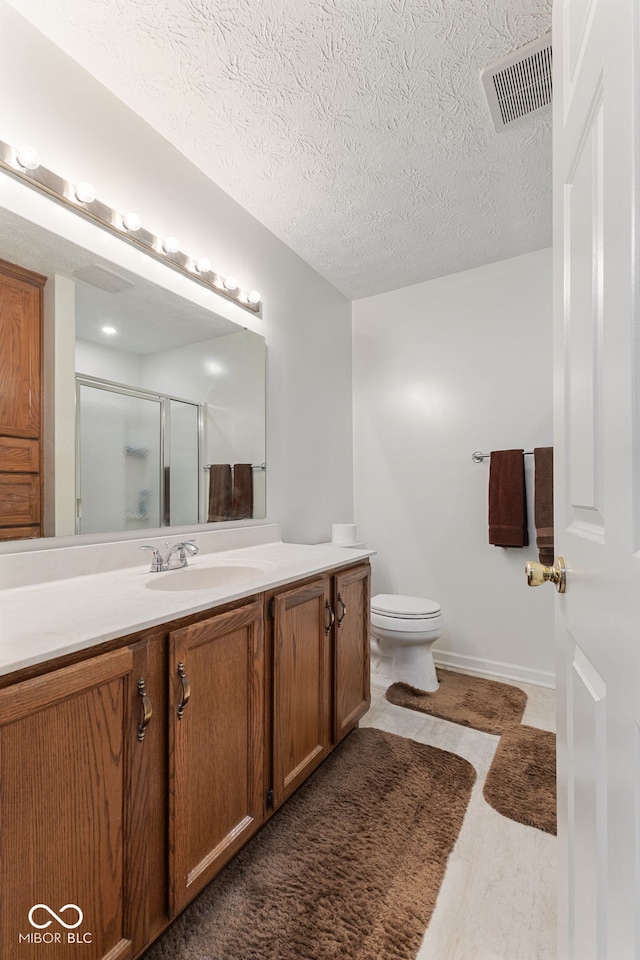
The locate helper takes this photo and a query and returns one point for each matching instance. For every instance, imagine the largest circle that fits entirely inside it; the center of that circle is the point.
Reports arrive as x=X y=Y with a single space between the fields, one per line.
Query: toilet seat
x=400 y=607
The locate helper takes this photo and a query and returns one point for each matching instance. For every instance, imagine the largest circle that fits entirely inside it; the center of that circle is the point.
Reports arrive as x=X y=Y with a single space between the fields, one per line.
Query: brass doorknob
x=537 y=573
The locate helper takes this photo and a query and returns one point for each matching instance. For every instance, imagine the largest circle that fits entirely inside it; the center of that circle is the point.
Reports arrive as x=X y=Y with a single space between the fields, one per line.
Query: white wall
x=84 y=133
x=441 y=369
x=97 y=360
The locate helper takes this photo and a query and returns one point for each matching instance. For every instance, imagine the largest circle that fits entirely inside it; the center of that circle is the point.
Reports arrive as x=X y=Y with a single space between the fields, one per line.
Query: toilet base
x=412 y=665
x=381 y=659
x=381 y=674
x=415 y=666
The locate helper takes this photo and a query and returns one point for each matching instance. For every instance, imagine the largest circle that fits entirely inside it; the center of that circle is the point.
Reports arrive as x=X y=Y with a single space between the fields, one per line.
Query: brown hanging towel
x=219 y=492
x=507 y=499
x=242 y=494
x=543 y=503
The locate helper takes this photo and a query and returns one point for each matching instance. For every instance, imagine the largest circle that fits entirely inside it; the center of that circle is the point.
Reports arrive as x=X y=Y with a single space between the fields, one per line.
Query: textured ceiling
x=356 y=130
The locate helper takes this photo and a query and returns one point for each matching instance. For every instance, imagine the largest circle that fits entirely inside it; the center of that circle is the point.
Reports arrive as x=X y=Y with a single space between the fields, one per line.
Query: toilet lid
x=405 y=608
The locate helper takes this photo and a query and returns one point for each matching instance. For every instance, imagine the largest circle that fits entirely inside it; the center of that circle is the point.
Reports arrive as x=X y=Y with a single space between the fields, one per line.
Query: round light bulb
x=85 y=192
x=253 y=297
x=170 y=244
x=27 y=157
x=131 y=221
x=230 y=283
x=203 y=265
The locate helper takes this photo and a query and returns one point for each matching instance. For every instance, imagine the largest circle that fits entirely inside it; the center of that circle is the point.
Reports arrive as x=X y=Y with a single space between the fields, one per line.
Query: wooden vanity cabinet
x=148 y=815
x=129 y=778
x=321 y=672
x=351 y=657
x=216 y=744
x=68 y=747
x=302 y=626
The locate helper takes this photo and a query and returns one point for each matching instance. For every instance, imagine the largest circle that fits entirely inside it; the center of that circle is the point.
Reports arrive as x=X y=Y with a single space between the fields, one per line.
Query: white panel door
x=596 y=104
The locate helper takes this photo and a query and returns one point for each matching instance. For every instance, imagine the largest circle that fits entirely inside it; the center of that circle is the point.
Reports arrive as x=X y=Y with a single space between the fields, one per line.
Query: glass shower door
x=119 y=460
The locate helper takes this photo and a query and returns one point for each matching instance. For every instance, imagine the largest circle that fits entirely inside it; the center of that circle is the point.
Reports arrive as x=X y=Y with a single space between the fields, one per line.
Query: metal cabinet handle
x=186 y=689
x=147 y=709
x=344 y=610
x=332 y=617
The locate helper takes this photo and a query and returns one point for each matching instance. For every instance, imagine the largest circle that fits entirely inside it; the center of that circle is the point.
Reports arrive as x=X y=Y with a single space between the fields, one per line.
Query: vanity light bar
x=23 y=163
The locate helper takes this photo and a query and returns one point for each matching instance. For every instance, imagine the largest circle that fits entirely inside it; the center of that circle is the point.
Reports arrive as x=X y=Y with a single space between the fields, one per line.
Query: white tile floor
x=498 y=897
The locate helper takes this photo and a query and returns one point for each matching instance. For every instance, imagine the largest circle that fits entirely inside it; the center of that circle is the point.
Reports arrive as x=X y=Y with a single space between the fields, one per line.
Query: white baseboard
x=493 y=668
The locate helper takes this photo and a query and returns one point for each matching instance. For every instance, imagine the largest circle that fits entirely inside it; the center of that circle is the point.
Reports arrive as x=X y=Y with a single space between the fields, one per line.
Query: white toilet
x=403 y=631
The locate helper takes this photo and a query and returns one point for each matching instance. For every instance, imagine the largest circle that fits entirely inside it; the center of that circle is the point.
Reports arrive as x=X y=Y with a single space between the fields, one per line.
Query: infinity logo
x=67 y=906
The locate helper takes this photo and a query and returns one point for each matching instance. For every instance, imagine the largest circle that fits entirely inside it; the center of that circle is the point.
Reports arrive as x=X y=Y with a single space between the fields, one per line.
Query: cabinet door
x=65 y=749
x=19 y=499
x=301 y=684
x=216 y=763
x=147 y=840
x=351 y=660
x=20 y=333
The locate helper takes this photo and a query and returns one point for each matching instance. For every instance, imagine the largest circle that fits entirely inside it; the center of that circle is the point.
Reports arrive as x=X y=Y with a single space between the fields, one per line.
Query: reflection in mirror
x=144 y=391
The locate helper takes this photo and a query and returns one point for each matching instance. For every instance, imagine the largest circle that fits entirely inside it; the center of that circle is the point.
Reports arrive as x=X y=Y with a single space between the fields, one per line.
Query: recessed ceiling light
x=109 y=330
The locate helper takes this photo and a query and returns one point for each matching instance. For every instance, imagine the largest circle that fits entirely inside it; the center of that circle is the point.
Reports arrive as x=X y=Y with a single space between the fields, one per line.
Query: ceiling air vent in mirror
x=102 y=277
x=520 y=83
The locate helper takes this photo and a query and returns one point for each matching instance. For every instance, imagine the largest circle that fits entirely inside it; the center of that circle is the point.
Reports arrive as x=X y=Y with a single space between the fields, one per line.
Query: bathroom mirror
x=144 y=388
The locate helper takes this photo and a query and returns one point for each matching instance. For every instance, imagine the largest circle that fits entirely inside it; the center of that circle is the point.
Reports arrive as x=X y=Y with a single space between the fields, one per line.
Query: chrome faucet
x=181 y=549
x=174 y=558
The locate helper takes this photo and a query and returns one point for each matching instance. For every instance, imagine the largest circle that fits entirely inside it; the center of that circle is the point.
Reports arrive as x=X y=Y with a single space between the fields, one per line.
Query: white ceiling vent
x=520 y=83
x=102 y=277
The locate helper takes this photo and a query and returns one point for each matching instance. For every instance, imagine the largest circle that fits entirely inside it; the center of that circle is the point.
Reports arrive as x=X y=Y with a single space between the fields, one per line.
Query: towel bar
x=478 y=457
x=254 y=466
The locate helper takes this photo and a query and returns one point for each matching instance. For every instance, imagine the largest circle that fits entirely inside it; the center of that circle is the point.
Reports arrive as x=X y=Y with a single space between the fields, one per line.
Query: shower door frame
x=164 y=400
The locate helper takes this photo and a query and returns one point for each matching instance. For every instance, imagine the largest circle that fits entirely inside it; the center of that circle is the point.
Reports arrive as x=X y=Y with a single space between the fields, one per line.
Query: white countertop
x=42 y=621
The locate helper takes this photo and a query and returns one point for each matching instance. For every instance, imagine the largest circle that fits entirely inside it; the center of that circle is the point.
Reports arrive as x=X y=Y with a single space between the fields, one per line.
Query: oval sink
x=215 y=577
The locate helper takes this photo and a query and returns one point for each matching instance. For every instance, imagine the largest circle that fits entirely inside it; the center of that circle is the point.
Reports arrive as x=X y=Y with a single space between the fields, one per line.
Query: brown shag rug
x=476 y=702
x=521 y=783
x=349 y=868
